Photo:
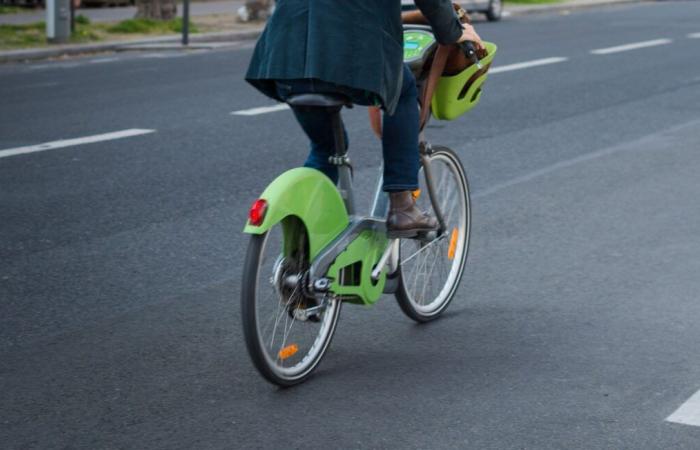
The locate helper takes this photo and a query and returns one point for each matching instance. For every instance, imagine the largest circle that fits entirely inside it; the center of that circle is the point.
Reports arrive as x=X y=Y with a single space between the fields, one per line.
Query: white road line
x=694 y=36
x=71 y=142
x=103 y=60
x=40 y=66
x=632 y=46
x=167 y=55
x=688 y=413
x=527 y=64
x=508 y=68
x=261 y=110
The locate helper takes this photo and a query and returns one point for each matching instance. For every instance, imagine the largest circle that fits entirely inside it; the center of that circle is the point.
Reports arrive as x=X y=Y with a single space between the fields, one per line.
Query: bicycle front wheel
x=430 y=269
x=286 y=331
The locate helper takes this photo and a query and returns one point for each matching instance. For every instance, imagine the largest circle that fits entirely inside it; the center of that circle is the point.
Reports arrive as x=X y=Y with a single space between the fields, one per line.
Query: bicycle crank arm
x=390 y=249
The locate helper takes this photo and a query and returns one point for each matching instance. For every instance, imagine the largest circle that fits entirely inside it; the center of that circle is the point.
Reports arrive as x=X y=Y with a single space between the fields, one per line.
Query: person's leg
x=317 y=125
x=401 y=164
x=400 y=139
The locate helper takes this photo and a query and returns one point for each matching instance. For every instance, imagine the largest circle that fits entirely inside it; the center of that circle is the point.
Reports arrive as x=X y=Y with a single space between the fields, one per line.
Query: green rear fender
x=310 y=196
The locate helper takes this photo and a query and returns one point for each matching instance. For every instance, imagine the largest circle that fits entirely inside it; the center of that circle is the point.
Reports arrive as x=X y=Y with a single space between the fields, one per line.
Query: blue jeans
x=399 y=137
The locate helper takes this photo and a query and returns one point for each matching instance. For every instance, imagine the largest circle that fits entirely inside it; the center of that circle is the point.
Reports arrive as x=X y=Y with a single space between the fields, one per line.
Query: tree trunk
x=255 y=10
x=156 y=9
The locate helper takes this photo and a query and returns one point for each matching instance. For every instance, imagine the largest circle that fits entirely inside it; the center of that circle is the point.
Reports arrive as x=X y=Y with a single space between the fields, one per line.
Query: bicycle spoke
x=430 y=273
x=282 y=313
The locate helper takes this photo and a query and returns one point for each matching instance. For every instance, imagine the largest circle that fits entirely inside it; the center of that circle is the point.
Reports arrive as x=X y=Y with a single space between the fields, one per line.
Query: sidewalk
x=239 y=32
x=124 y=12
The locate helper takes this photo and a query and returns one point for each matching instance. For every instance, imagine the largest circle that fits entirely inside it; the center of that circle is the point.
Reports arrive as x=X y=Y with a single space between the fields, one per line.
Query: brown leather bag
x=456 y=61
x=448 y=60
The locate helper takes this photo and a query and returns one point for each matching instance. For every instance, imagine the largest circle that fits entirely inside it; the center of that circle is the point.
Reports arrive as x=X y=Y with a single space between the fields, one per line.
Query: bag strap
x=436 y=70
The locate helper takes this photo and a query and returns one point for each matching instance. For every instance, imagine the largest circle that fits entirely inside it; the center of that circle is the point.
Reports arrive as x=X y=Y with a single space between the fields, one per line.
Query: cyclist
x=354 y=48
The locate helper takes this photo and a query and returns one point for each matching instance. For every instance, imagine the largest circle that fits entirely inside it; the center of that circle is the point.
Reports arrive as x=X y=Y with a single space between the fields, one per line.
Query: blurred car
x=491 y=8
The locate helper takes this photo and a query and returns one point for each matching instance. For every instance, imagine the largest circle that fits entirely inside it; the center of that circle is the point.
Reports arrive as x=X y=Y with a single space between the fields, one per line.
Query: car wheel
x=495 y=10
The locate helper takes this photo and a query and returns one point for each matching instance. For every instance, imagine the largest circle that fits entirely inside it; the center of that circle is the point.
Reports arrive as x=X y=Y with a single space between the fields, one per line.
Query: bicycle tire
x=422 y=311
x=259 y=354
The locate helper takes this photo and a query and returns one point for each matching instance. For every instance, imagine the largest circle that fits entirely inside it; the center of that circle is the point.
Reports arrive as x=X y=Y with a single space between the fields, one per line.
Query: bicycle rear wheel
x=430 y=269
x=285 y=343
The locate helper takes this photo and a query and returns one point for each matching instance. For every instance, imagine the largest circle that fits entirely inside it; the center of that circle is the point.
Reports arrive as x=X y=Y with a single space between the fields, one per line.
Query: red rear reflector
x=256 y=215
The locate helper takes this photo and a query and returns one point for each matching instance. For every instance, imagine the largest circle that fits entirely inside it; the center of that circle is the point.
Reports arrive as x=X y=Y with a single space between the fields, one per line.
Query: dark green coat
x=355 y=43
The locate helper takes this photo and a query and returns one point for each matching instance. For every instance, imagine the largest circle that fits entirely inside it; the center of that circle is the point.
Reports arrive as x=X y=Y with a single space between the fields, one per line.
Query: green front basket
x=457 y=94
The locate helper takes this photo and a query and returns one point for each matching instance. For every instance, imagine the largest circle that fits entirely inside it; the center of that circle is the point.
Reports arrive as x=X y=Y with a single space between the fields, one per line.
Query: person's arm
x=445 y=24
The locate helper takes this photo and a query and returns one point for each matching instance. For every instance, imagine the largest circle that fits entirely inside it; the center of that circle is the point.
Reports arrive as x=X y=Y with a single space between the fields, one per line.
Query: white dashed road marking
x=71 y=142
x=688 y=413
x=528 y=64
x=261 y=110
x=632 y=46
x=506 y=68
x=694 y=36
x=103 y=60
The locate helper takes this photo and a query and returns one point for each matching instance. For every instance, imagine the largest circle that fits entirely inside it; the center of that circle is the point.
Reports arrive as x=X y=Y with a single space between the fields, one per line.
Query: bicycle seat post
x=333 y=103
x=341 y=160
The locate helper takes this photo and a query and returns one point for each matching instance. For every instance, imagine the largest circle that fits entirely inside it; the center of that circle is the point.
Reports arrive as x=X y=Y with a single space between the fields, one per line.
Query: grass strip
x=34 y=34
x=11 y=9
x=147 y=26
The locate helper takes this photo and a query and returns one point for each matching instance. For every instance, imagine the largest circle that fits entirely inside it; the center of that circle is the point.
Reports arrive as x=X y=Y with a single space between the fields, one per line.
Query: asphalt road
x=576 y=325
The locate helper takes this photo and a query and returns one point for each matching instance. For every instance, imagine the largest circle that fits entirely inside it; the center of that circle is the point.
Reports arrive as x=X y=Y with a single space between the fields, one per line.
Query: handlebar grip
x=470 y=51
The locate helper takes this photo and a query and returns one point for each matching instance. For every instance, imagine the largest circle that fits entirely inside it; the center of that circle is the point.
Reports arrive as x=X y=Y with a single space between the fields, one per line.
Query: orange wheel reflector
x=288 y=351
x=416 y=194
x=453 y=243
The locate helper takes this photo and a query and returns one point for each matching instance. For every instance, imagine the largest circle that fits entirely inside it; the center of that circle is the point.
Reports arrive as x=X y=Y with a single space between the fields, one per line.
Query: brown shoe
x=405 y=219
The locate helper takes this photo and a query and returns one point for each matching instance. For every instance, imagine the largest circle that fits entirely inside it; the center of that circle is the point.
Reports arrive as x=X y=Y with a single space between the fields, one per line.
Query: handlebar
x=470 y=52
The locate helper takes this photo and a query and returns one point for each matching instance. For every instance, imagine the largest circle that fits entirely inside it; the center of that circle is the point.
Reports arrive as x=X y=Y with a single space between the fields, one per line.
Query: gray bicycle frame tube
x=376 y=221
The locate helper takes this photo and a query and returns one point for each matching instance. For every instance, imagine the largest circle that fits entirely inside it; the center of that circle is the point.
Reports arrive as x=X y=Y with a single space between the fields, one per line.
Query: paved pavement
x=125 y=12
x=575 y=326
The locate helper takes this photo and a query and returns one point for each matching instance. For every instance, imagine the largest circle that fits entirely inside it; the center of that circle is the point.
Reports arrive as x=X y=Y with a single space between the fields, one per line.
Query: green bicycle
x=310 y=252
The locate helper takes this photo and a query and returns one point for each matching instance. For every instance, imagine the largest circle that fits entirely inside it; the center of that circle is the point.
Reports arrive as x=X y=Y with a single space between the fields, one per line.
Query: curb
x=115 y=46
x=242 y=35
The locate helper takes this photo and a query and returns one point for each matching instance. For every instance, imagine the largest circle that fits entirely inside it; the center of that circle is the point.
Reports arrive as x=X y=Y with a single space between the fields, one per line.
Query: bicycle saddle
x=319 y=100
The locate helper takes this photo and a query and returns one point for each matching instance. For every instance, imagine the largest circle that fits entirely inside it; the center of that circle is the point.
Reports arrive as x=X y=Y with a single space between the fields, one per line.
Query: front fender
x=311 y=197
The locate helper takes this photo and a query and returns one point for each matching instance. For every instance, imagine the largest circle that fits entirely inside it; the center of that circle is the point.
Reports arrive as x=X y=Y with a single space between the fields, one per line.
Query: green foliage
x=12 y=36
x=11 y=9
x=133 y=26
x=34 y=34
x=178 y=23
x=82 y=20
x=84 y=34
x=148 y=26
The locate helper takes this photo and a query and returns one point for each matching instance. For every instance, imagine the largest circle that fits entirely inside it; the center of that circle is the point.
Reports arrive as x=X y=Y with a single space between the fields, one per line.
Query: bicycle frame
x=342 y=251
x=351 y=256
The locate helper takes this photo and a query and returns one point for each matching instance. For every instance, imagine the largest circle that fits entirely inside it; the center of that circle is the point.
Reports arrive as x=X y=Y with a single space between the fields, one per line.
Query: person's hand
x=469 y=34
